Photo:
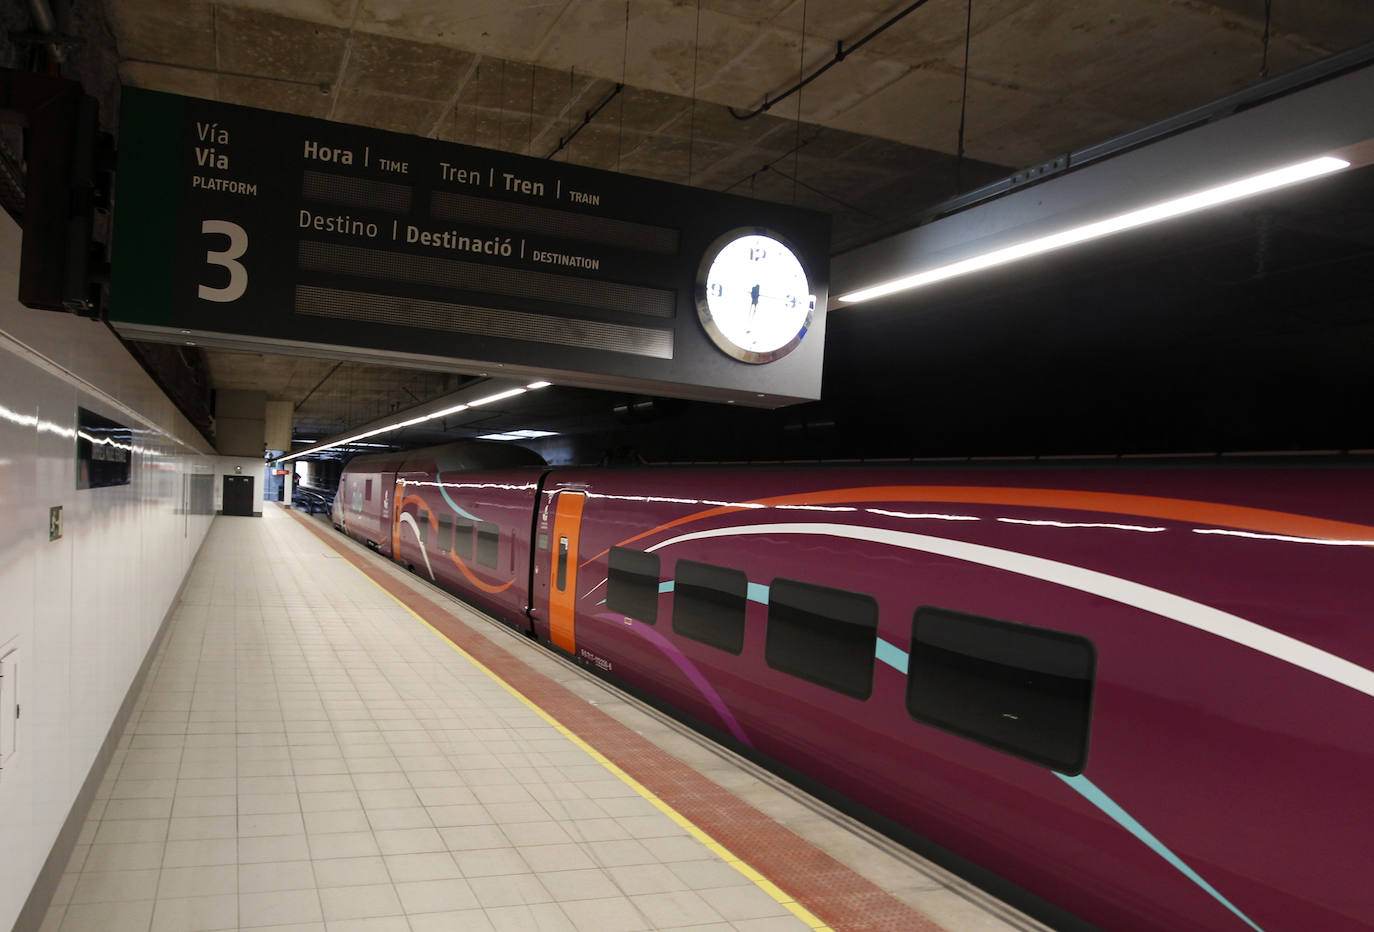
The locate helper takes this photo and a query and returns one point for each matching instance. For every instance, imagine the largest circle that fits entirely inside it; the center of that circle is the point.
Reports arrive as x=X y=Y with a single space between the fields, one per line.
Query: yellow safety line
x=715 y=847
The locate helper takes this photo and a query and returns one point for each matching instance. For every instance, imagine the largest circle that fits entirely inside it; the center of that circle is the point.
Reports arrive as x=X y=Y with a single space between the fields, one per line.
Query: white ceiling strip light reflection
x=1072 y=524
x=109 y=442
x=411 y=422
x=907 y=514
x=519 y=435
x=1284 y=538
x=30 y=420
x=1154 y=213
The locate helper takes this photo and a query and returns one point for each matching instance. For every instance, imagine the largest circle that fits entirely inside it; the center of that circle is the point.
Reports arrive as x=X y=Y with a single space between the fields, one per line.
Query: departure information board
x=251 y=229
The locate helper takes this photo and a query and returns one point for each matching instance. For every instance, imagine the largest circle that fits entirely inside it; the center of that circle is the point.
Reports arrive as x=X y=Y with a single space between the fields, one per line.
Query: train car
x=1124 y=698
x=362 y=504
x=460 y=515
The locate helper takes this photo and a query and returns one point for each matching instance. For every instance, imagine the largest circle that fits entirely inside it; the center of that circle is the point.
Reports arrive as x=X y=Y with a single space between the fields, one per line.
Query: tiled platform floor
x=307 y=754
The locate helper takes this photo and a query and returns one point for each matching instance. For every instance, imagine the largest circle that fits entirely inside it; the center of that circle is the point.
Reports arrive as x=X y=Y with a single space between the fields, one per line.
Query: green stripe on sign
x=147 y=195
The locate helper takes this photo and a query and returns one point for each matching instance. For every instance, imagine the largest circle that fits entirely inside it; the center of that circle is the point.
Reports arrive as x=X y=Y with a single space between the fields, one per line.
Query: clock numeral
x=752 y=297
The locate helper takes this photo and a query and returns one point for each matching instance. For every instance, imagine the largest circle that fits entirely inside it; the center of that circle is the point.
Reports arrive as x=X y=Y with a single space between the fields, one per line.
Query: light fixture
x=1130 y=220
x=411 y=422
x=499 y=396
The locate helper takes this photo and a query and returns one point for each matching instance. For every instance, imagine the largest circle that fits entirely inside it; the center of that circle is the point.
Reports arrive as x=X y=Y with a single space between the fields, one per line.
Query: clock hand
x=753 y=304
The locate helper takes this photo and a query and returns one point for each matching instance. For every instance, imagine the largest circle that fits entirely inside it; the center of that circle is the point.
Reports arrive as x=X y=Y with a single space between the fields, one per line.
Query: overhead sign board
x=251 y=229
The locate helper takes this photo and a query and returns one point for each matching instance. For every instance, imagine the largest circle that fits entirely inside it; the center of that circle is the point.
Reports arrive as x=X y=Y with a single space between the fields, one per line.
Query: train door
x=567 y=524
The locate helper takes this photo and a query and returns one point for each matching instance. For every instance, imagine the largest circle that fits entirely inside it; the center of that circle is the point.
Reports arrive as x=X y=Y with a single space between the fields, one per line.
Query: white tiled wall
x=82 y=610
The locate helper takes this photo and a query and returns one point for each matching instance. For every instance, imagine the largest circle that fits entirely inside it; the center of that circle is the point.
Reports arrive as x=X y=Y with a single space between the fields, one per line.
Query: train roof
x=458 y=456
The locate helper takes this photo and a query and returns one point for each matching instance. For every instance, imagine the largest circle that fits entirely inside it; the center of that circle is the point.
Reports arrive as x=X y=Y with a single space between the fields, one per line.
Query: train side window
x=632 y=584
x=367 y=490
x=1017 y=688
x=489 y=543
x=422 y=522
x=561 y=577
x=709 y=603
x=824 y=635
x=445 y=533
x=462 y=538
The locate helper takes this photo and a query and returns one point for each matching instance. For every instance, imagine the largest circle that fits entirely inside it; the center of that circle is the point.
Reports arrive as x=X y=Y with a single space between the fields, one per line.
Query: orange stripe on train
x=1240 y=517
x=419 y=502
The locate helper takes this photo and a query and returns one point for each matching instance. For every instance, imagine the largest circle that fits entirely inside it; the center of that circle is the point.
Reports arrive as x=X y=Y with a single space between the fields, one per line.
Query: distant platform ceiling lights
x=411 y=422
x=1119 y=223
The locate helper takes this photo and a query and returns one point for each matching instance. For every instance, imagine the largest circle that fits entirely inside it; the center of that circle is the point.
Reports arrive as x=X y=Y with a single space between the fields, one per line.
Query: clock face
x=753 y=297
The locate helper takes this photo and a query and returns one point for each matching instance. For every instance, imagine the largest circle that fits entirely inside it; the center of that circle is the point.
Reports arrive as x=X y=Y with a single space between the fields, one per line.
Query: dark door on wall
x=238 y=495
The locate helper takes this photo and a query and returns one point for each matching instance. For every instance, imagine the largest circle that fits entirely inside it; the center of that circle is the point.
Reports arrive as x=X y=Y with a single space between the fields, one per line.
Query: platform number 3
x=238 y=275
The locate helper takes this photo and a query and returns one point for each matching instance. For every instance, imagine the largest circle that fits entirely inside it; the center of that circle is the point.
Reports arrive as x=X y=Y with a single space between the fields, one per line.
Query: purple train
x=1130 y=698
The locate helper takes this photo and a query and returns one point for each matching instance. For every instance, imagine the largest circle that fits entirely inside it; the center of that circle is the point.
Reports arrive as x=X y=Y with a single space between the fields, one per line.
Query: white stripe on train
x=1165 y=604
x=408 y=520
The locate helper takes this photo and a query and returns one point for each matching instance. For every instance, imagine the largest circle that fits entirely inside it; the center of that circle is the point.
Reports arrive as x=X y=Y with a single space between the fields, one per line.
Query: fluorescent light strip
x=1165 y=210
x=500 y=396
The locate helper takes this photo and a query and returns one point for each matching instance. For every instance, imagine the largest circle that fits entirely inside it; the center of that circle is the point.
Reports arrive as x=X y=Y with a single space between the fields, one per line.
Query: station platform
x=324 y=742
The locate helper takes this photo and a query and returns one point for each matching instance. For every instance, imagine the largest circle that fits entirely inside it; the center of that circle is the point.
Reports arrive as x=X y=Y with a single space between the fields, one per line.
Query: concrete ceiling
x=875 y=141
x=327 y=393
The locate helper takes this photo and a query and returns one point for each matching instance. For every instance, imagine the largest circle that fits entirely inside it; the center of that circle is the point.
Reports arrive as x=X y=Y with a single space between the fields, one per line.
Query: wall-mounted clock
x=752 y=295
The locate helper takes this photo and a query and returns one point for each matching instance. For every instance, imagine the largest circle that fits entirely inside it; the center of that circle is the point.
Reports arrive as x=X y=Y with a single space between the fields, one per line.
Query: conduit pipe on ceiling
x=841 y=53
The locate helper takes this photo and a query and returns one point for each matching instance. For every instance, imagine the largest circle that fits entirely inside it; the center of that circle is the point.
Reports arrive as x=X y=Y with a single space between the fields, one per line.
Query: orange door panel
x=567 y=521
x=396 y=522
